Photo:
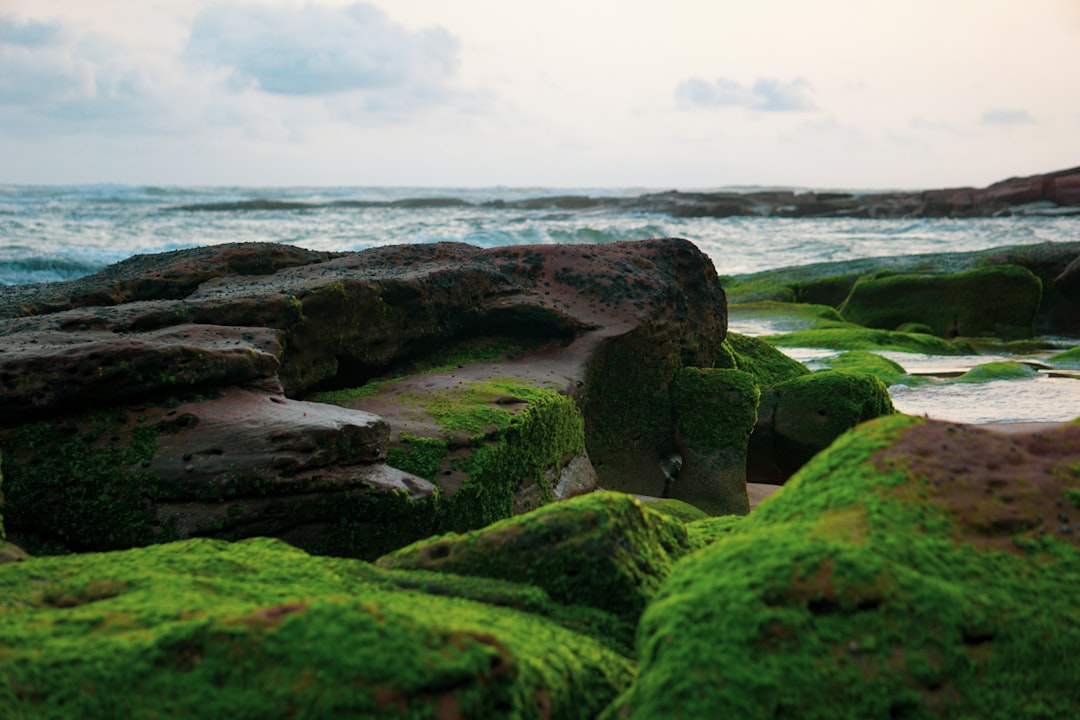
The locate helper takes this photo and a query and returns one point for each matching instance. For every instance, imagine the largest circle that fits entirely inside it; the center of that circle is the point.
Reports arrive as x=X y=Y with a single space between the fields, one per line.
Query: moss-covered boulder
x=854 y=337
x=1000 y=370
x=915 y=569
x=803 y=416
x=230 y=464
x=996 y=301
x=768 y=365
x=204 y=628
x=888 y=371
x=715 y=413
x=604 y=550
x=168 y=396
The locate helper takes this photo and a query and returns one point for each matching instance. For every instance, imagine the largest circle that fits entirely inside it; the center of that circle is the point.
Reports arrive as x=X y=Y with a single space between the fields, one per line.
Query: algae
x=256 y=629
x=768 y=365
x=1003 y=370
x=604 y=550
x=852 y=594
x=80 y=485
x=857 y=338
x=888 y=371
x=998 y=300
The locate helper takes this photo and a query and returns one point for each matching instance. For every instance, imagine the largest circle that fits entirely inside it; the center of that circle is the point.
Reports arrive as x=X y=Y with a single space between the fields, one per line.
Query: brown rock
x=154 y=389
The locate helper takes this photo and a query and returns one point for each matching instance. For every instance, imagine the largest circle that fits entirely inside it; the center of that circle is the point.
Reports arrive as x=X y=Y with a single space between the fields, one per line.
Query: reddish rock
x=215 y=335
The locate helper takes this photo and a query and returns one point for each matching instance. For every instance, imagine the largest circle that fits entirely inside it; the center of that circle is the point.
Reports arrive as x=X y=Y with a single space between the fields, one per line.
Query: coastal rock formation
x=1054 y=193
x=998 y=301
x=604 y=550
x=209 y=629
x=914 y=569
x=831 y=283
x=169 y=396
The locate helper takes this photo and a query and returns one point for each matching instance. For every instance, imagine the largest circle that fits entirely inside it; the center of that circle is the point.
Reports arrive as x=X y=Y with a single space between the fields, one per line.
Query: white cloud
x=316 y=50
x=1006 y=117
x=766 y=94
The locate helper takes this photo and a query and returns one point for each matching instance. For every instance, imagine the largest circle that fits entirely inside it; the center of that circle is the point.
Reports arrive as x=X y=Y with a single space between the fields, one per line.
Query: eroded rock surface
x=914 y=569
x=171 y=390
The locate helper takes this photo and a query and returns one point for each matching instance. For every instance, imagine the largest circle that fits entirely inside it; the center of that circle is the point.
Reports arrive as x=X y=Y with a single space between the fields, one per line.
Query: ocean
x=64 y=232
x=56 y=233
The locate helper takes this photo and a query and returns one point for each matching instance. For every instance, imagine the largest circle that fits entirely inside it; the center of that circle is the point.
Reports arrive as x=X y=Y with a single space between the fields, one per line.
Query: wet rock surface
x=96 y=375
x=914 y=569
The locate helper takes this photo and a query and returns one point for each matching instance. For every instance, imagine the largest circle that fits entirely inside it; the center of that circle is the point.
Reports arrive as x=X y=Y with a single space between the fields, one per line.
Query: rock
x=1068 y=282
x=588 y=339
x=715 y=411
x=914 y=569
x=211 y=629
x=768 y=365
x=603 y=550
x=803 y=416
x=999 y=301
x=11 y=553
x=241 y=462
x=831 y=282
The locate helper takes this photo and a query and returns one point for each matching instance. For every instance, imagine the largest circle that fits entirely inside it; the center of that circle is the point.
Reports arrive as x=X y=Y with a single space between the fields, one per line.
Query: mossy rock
x=715 y=412
x=705 y=532
x=858 y=338
x=768 y=365
x=1068 y=359
x=677 y=509
x=1003 y=370
x=603 y=550
x=791 y=285
x=888 y=371
x=911 y=570
x=482 y=440
x=102 y=481
x=916 y=327
x=783 y=316
x=998 y=301
x=258 y=629
x=813 y=410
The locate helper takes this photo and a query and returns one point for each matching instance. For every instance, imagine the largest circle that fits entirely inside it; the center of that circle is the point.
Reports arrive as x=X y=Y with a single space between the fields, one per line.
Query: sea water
x=53 y=233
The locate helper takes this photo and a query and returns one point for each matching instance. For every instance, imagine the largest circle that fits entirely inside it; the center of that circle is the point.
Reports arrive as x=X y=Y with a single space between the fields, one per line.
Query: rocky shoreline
x=1055 y=193
x=438 y=481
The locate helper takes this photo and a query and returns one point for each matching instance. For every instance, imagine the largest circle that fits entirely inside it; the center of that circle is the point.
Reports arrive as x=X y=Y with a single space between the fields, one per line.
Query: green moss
x=258 y=629
x=813 y=410
x=914 y=327
x=704 y=532
x=851 y=595
x=889 y=372
x=476 y=407
x=421 y=456
x=602 y=550
x=548 y=432
x=999 y=300
x=791 y=315
x=81 y=485
x=1068 y=359
x=677 y=509
x=850 y=338
x=716 y=409
x=791 y=285
x=767 y=364
x=1004 y=370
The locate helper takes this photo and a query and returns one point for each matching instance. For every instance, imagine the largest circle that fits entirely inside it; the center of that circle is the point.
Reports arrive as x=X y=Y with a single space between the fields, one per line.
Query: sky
x=670 y=94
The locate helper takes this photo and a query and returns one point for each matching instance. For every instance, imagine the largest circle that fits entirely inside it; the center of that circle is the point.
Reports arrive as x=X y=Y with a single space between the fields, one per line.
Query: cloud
x=314 y=50
x=1006 y=117
x=766 y=94
x=51 y=75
